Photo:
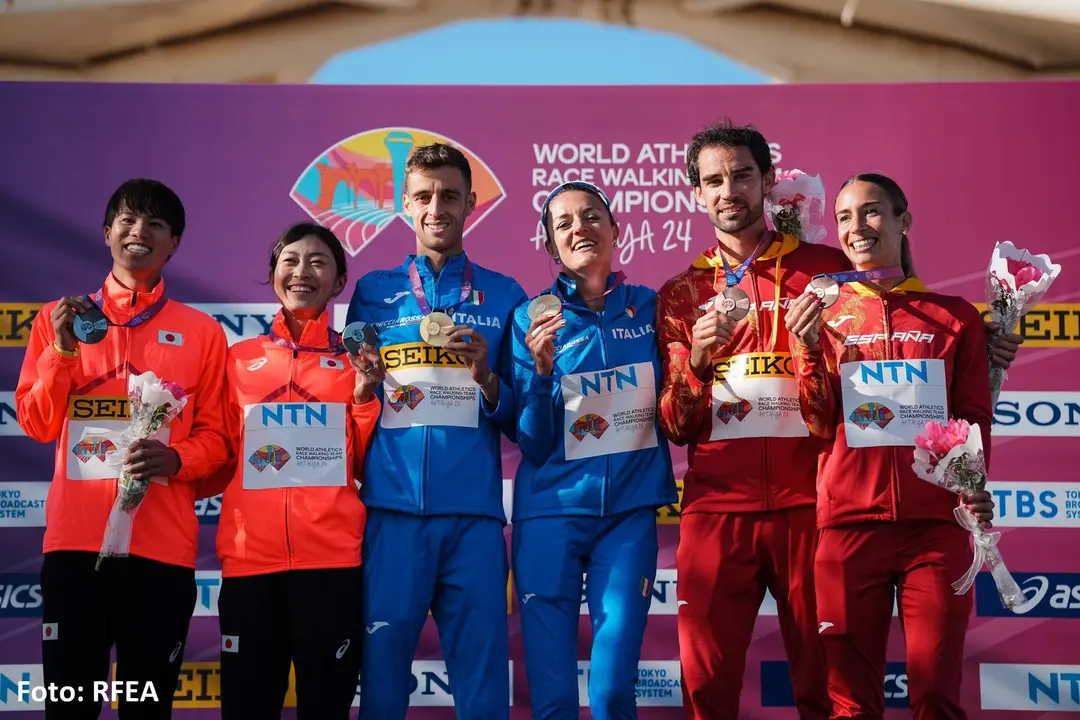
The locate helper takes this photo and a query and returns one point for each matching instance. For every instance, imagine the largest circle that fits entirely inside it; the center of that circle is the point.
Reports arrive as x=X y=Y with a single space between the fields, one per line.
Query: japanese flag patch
x=166 y=337
x=230 y=643
x=331 y=363
x=49 y=631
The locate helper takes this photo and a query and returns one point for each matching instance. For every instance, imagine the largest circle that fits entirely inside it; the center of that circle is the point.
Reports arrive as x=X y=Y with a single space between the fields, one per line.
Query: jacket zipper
x=761 y=348
x=605 y=487
x=894 y=479
x=126 y=374
x=424 y=470
x=288 y=495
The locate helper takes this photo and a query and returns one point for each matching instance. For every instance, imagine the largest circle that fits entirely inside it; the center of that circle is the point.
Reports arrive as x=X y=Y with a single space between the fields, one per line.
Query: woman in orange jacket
x=891 y=356
x=300 y=412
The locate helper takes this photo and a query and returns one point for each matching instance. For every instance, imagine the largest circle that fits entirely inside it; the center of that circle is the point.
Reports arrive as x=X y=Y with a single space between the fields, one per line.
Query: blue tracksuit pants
x=618 y=554
x=456 y=567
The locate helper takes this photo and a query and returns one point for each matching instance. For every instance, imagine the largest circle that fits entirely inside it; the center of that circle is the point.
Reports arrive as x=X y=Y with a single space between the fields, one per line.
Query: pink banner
x=980 y=163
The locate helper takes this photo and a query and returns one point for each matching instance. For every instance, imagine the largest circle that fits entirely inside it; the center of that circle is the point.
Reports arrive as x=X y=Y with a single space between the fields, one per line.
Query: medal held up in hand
x=357 y=334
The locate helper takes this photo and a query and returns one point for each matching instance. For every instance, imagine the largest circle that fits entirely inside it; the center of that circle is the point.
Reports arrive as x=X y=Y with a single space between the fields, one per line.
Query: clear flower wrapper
x=796 y=205
x=152 y=405
x=952 y=458
x=1016 y=282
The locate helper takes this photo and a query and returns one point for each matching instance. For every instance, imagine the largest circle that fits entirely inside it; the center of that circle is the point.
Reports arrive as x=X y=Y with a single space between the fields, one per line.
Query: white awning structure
x=286 y=41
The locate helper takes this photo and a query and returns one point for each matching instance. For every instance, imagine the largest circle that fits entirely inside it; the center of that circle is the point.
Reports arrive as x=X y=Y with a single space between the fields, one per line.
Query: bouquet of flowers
x=1015 y=283
x=152 y=405
x=951 y=457
x=796 y=205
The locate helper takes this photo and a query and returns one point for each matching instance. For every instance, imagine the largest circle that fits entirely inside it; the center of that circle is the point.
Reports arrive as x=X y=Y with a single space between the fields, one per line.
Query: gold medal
x=544 y=305
x=435 y=329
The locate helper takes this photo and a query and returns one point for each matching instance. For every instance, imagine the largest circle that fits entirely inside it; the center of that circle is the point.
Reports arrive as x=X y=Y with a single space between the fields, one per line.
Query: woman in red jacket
x=300 y=412
x=890 y=356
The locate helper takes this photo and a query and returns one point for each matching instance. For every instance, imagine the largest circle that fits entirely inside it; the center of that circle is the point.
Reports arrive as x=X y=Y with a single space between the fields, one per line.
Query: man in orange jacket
x=76 y=393
x=729 y=392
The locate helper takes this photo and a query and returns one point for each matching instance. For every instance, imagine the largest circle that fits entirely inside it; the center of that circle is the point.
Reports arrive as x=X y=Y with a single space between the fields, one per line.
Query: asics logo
x=395 y=298
x=175 y=652
x=375 y=626
x=343 y=649
x=257 y=364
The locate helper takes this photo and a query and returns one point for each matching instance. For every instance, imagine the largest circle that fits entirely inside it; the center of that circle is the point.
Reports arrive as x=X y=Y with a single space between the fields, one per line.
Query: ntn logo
x=1052 y=684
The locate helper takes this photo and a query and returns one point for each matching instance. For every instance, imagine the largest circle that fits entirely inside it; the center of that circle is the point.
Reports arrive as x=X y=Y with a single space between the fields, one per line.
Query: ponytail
x=906 y=263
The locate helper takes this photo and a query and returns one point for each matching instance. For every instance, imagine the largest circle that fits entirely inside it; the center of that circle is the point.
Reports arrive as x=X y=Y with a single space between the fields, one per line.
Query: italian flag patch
x=477 y=297
x=645 y=586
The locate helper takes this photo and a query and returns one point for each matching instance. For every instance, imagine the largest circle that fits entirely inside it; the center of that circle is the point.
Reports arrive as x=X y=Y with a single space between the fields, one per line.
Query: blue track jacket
x=436 y=449
x=589 y=433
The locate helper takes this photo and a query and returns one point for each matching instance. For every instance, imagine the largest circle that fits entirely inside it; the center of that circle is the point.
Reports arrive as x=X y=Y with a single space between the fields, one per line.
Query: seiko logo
x=911 y=336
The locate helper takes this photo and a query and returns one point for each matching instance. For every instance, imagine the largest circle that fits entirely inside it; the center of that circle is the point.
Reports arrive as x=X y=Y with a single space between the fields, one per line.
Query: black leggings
x=142 y=606
x=309 y=618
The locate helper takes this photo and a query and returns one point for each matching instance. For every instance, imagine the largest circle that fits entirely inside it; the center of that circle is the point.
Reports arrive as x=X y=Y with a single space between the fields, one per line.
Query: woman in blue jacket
x=594 y=464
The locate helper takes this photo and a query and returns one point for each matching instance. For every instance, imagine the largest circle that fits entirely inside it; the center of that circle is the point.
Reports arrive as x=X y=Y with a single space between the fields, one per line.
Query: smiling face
x=306 y=277
x=732 y=187
x=438 y=202
x=582 y=232
x=140 y=243
x=869 y=228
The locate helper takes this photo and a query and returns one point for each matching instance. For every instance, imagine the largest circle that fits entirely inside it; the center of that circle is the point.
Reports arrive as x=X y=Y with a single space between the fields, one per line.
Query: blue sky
x=523 y=51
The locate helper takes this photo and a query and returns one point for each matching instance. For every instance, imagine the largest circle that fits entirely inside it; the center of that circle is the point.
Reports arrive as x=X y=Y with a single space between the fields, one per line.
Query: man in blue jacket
x=433 y=476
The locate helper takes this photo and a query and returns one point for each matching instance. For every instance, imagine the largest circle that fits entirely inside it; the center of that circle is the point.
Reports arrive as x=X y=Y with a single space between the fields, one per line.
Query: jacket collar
x=316 y=332
x=614 y=303
x=121 y=302
x=780 y=246
x=455 y=265
x=910 y=285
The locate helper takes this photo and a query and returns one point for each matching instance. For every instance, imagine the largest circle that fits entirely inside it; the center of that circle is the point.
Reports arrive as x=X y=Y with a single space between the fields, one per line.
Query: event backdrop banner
x=979 y=163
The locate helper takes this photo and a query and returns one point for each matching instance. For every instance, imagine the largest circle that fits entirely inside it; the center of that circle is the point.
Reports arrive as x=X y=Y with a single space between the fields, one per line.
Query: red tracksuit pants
x=858 y=569
x=725 y=562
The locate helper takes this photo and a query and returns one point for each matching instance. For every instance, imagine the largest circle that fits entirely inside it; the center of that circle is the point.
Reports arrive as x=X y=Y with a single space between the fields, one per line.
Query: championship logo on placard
x=355 y=187
x=589 y=424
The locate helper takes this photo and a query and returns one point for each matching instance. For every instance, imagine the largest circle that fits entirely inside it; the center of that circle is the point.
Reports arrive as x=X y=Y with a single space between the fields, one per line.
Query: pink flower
x=940 y=439
x=1023 y=272
x=173 y=389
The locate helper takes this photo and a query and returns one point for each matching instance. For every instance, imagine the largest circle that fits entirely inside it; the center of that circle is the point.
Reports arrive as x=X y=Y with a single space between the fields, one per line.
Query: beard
x=747 y=219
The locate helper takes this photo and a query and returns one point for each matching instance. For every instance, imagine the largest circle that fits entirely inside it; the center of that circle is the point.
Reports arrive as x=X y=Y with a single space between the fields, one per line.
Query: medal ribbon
x=98 y=300
x=620 y=278
x=863 y=275
x=333 y=340
x=418 y=288
x=734 y=277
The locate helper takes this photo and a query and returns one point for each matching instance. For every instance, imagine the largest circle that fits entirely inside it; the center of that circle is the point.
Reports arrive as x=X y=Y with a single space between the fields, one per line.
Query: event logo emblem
x=590 y=424
x=93 y=446
x=273 y=456
x=737 y=409
x=872 y=413
x=355 y=187
x=406 y=395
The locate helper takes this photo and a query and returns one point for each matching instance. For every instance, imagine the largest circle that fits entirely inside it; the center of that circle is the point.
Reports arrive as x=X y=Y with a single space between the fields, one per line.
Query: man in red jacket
x=729 y=392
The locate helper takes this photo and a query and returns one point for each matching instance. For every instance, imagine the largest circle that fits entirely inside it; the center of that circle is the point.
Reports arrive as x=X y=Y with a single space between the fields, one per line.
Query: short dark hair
x=899 y=203
x=437 y=155
x=298 y=232
x=725 y=133
x=144 y=196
